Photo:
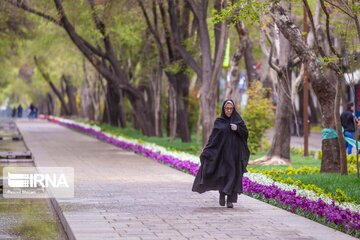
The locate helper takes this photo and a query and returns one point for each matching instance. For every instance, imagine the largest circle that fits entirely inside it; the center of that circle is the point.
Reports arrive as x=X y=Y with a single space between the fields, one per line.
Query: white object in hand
x=233 y=126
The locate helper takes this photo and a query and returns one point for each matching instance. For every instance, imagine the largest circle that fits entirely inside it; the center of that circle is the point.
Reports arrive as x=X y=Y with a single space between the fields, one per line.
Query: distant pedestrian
x=35 y=112
x=32 y=111
x=13 y=113
x=225 y=157
x=8 y=111
x=348 y=121
x=19 y=111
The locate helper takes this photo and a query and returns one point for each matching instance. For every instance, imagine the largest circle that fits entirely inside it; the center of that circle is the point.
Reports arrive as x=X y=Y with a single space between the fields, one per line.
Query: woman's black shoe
x=222 y=199
x=229 y=205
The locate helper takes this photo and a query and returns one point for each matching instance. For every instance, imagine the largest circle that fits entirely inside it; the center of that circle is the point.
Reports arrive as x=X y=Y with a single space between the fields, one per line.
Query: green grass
x=350 y=184
x=35 y=218
x=37 y=230
x=297 y=161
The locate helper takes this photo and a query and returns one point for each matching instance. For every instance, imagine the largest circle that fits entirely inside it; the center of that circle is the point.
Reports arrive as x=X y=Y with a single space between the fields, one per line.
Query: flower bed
x=276 y=174
x=343 y=216
x=344 y=220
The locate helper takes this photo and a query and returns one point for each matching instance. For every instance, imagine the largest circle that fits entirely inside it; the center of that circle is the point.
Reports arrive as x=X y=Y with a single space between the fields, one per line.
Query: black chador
x=225 y=156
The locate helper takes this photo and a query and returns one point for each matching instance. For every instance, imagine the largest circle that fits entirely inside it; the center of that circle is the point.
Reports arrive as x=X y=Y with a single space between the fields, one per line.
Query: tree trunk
x=122 y=119
x=326 y=96
x=315 y=111
x=41 y=103
x=178 y=115
x=64 y=109
x=210 y=68
x=208 y=109
x=250 y=62
x=330 y=147
x=156 y=89
x=168 y=55
x=106 y=114
x=279 y=152
x=87 y=94
x=50 y=104
x=172 y=110
x=87 y=105
x=248 y=52
x=98 y=94
x=182 y=95
x=142 y=114
x=232 y=88
x=112 y=98
x=71 y=94
x=343 y=160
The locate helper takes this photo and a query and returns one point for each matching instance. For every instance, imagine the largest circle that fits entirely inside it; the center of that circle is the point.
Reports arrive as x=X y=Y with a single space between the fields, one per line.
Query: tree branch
x=22 y=5
x=295 y=61
x=78 y=41
x=46 y=77
x=340 y=8
x=26 y=8
x=109 y=55
x=99 y=24
x=169 y=42
x=357 y=23
x=194 y=8
x=272 y=65
x=153 y=30
x=310 y=16
x=219 y=55
x=328 y=30
x=298 y=83
x=265 y=51
x=188 y=58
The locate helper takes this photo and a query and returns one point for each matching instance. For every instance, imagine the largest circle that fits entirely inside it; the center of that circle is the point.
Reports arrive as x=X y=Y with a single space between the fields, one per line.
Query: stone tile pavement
x=120 y=195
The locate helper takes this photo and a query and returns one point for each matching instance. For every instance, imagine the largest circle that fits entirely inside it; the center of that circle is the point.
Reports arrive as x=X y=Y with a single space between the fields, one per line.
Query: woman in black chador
x=225 y=157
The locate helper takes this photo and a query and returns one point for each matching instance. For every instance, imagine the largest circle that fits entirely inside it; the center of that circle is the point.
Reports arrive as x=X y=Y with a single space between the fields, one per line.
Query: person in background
x=36 y=110
x=348 y=121
x=13 y=113
x=19 y=111
x=31 y=111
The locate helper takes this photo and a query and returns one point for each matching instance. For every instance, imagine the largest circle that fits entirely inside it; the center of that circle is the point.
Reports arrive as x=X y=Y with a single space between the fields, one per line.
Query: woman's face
x=228 y=109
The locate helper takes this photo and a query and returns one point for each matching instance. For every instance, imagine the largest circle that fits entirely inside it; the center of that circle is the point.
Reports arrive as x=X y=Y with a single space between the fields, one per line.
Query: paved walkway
x=120 y=195
x=298 y=142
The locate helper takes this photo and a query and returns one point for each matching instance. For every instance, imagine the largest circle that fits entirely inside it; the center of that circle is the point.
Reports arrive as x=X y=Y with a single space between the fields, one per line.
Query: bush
x=258 y=115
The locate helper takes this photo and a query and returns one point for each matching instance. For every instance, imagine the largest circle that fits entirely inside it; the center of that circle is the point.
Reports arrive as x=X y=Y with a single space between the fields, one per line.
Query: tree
x=326 y=96
x=280 y=60
x=56 y=91
x=170 y=60
x=244 y=49
x=209 y=69
x=102 y=57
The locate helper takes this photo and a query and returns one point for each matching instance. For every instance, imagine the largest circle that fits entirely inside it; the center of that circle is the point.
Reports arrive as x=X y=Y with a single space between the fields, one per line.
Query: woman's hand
x=233 y=126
